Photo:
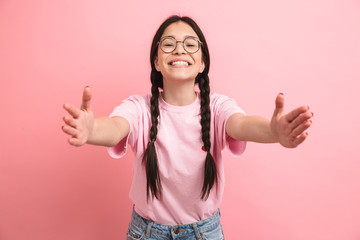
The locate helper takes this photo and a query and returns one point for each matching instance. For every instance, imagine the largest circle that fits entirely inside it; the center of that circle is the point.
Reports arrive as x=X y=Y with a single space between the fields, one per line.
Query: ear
x=202 y=68
x=156 y=63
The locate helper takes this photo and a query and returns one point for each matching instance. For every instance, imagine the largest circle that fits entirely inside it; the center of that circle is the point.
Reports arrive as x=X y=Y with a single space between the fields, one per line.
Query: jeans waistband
x=196 y=228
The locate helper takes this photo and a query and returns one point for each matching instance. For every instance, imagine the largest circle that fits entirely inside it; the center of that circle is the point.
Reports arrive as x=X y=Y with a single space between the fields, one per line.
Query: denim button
x=176 y=230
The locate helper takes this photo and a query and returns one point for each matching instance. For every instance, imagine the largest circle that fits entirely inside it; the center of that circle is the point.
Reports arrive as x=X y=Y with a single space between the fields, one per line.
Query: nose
x=179 y=49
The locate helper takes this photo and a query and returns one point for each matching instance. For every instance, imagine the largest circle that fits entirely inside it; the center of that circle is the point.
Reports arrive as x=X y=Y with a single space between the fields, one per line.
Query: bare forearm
x=287 y=129
x=250 y=128
x=108 y=131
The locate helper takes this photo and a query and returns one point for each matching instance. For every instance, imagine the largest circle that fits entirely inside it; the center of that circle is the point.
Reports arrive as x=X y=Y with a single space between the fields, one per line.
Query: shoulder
x=138 y=101
x=218 y=99
x=223 y=103
x=133 y=105
x=216 y=96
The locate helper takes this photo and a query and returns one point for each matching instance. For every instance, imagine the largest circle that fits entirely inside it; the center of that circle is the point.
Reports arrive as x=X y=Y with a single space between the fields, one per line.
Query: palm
x=289 y=129
x=80 y=123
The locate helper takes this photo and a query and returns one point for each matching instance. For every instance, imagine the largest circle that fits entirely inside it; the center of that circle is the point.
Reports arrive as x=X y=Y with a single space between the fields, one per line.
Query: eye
x=191 y=42
x=168 y=44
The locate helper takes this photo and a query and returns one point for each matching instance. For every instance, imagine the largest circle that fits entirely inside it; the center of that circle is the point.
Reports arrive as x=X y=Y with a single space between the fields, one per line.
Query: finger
x=301 y=128
x=291 y=116
x=70 y=121
x=70 y=131
x=301 y=119
x=300 y=139
x=86 y=98
x=75 y=142
x=279 y=104
x=73 y=111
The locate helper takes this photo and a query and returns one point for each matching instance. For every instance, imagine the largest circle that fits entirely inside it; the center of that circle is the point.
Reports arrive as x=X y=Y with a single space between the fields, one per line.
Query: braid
x=153 y=183
x=210 y=172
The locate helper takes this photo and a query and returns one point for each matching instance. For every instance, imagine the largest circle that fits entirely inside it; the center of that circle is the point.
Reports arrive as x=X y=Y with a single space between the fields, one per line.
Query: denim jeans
x=141 y=228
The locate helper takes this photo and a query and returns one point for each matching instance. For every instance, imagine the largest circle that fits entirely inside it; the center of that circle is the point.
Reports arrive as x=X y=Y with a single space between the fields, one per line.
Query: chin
x=183 y=78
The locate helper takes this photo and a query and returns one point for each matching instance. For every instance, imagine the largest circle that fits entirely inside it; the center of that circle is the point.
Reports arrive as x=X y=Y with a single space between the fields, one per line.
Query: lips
x=179 y=62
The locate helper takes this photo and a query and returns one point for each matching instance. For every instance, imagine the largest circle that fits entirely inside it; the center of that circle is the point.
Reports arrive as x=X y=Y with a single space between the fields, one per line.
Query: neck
x=179 y=93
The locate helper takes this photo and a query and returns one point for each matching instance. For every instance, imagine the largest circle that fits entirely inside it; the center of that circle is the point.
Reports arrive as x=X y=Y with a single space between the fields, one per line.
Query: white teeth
x=179 y=63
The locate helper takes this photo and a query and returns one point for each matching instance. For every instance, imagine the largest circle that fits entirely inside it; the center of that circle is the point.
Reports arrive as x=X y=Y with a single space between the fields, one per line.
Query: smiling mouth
x=179 y=63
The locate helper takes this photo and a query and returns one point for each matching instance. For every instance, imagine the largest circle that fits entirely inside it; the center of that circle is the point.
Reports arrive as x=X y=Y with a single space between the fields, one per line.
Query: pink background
x=50 y=50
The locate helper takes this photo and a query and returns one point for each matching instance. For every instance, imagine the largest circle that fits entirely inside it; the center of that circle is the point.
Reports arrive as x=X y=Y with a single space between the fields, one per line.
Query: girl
x=177 y=135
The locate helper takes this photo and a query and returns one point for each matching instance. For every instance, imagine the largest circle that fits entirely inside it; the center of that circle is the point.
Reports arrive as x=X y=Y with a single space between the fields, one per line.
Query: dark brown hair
x=150 y=156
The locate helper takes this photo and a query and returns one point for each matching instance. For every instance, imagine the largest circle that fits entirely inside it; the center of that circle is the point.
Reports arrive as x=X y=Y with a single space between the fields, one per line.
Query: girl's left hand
x=289 y=129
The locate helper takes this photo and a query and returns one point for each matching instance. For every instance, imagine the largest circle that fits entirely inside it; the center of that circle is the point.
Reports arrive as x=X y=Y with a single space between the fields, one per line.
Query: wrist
x=92 y=131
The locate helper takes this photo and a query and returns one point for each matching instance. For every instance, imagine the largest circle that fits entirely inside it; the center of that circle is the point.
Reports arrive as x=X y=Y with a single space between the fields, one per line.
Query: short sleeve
x=130 y=109
x=223 y=107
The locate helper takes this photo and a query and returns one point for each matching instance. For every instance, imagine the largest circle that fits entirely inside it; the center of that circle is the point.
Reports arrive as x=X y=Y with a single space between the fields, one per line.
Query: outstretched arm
x=84 y=128
x=287 y=129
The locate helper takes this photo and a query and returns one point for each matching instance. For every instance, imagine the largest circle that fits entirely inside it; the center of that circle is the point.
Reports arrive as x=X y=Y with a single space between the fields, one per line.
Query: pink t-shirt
x=180 y=156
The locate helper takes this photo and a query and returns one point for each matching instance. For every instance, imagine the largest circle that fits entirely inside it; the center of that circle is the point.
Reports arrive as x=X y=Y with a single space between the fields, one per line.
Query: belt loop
x=196 y=230
x=148 y=229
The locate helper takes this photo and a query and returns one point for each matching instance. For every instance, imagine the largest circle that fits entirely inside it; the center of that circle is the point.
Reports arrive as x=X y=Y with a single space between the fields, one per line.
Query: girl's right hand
x=80 y=124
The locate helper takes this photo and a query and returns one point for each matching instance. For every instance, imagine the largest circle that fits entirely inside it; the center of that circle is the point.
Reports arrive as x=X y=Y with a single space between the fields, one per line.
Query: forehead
x=179 y=30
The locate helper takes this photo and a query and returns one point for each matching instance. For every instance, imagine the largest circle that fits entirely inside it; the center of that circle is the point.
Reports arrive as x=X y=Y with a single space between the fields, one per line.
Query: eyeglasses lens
x=190 y=45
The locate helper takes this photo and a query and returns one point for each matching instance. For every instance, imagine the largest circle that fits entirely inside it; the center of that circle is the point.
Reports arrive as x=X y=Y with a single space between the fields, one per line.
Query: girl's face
x=179 y=64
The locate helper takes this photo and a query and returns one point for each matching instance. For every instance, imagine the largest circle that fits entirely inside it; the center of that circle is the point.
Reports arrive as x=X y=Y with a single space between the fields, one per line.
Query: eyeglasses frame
x=183 y=42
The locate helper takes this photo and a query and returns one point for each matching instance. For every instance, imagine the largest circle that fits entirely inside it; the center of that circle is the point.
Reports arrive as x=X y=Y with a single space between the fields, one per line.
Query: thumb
x=86 y=98
x=279 y=104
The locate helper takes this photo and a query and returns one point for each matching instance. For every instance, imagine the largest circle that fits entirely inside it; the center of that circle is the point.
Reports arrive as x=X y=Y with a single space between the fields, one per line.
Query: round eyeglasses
x=190 y=44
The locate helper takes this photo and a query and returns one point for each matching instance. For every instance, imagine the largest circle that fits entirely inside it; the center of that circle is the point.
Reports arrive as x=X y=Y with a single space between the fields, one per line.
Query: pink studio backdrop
x=50 y=50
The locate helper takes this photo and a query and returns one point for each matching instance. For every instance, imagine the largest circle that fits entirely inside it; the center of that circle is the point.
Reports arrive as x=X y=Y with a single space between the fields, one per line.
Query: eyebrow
x=184 y=36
